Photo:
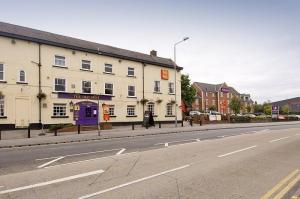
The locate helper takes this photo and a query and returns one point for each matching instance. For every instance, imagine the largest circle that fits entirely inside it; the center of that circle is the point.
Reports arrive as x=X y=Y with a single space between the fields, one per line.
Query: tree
x=188 y=93
x=267 y=108
x=258 y=108
x=235 y=104
x=248 y=108
x=285 y=109
x=212 y=108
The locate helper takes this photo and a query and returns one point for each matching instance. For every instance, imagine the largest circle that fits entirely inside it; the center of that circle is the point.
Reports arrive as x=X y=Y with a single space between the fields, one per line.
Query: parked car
x=193 y=113
x=250 y=115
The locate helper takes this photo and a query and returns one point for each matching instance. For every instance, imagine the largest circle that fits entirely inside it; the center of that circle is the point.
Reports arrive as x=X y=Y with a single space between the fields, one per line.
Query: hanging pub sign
x=225 y=90
x=164 y=74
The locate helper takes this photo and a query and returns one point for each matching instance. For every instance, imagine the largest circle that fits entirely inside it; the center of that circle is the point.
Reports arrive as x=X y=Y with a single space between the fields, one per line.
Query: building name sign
x=225 y=90
x=83 y=96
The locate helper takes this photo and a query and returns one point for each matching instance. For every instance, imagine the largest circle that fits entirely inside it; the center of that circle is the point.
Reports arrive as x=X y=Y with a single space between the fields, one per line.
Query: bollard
x=133 y=126
x=55 y=132
x=191 y=122
x=159 y=125
x=182 y=123
x=78 y=128
x=200 y=122
x=146 y=126
x=0 y=134
x=28 y=131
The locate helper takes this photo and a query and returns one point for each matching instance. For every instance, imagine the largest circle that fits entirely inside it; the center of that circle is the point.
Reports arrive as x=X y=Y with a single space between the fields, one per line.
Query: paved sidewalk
x=120 y=132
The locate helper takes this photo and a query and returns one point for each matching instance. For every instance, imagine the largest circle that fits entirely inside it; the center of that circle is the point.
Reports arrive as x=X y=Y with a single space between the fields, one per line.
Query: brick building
x=218 y=96
x=292 y=103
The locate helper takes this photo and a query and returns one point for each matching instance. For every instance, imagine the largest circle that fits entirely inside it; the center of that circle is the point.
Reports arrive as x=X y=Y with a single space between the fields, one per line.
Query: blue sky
x=252 y=45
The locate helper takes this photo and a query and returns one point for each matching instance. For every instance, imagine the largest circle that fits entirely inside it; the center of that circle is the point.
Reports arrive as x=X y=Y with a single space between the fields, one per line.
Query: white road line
x=52 y=181
x=166 y=144
x=271 y=141
x=121 y=151
x=132 y=182
x=77 y=154
x=233 y=152
x=221 y=136
x=50 y=162
x=175 y=142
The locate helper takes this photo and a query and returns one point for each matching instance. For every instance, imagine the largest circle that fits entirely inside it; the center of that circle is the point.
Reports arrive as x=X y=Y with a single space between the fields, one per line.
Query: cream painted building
x=48 y=79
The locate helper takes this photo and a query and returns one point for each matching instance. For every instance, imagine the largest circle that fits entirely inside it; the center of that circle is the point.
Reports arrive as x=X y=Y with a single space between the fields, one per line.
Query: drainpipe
x=40 y=87
x=143 y=89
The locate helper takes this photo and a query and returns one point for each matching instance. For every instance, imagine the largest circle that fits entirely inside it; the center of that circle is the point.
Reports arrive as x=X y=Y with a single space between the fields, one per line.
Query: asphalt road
x=247 y=163
x=28 y=158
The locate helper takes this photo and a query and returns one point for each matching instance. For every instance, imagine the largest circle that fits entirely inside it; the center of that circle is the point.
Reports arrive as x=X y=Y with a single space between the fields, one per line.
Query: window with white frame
x=109 y=89
x=60 y=84
x=111 y=110
x=150 y=107
x=60 y=61
x=1 y=106
x=1 y=72
x=221 y=94
x=131 y=91
x=157 y=86
x=171 y=88
x=85 y=65
x=108 y=68
x=169 y=109
x=59 y=110
x=86 y=87
x=130 y=72
x=131 y=110
x=22 y=76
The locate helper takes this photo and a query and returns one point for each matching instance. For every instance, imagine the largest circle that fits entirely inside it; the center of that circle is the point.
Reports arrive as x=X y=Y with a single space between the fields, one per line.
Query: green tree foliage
x=267 y=108
x=235 y=104
x=249 y=108
x=285 y=109
x=258 y=108
x=213 y=108
x=188 y=93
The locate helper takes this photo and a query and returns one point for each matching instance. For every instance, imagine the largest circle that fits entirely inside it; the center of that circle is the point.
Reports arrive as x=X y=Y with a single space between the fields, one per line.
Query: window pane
x=1 y=105
x=108 y=68
x=59 y=60
x=156 y=86
x=111 y=110
x=130 y=71
x=60 y=84
x=1 y=72
x=131 y=110
x=22 y=76
x=86 y=87
x=86 y=64
x=131 y=90
x=108 y=89
x=59 y=109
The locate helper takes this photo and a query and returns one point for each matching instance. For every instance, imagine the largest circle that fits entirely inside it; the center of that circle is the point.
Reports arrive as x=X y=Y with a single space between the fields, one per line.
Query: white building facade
x=52 y=79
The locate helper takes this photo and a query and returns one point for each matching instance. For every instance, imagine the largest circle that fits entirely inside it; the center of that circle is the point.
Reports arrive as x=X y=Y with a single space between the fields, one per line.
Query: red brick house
x=217 y=96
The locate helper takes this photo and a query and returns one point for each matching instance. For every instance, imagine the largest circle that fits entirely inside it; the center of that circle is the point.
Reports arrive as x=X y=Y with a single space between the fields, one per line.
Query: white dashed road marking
x=52 y=182
x=276 y=140
x=132 y=182
x=50 y=162
x=121 y=151
x=240 y=150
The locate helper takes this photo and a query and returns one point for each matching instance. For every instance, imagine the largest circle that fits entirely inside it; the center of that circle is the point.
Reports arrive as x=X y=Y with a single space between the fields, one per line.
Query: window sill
x=56 y=92
x=107 y=73
x=2 y=81
x=109 y=95
x=131 y=115
x=22 y=82
x=171 y=93
x=60 y=116
x=3 y=117
x=169 y=115
x=157 y=92
x=86 y=70
x=134 y=97
x=132 y=76
x=56 y=66
x=112 y=116
x=155 y=115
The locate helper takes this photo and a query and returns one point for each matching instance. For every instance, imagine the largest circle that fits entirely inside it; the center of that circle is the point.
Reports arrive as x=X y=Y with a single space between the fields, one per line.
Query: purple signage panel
x=275 y=109
x=225 y=90
x=83 y=96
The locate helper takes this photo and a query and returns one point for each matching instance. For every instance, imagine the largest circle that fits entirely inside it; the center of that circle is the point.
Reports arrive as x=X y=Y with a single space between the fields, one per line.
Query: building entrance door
x=87 y=113
x=22 y=112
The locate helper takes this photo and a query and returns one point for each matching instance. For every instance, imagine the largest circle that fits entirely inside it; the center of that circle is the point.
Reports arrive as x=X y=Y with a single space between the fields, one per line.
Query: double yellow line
x=286 y=184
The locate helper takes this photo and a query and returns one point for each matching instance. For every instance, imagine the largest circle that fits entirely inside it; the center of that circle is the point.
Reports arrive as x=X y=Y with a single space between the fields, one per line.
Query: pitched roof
x=208 y=87
x=287 y=101
x=29 y=34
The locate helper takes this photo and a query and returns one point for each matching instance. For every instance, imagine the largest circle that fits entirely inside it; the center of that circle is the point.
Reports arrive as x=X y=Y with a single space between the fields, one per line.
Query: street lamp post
x=175 y=72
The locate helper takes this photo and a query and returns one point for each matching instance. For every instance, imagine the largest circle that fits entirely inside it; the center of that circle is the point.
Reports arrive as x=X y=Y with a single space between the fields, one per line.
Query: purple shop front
x=85 y=112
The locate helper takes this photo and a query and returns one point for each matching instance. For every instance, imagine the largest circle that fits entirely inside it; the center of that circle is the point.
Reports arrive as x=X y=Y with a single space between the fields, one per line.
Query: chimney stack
x=153 y=53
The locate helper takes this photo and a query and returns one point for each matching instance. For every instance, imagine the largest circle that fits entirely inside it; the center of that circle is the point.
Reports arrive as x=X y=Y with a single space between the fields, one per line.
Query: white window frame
x=221 y=94
x=129 y=110
x=108 y=65
x=171 y=87
x=87 y=62
x=54 y=84
x=132 y=70
x=58 y=65
x=60 y=111
x=2 y=106
x=3 y=71
x=112 y=89
x=169 y=109
x=111 y=110
x=19 y=76
x=82 y=87
x=128 y=91
x=152 y=109
x=156 y=86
